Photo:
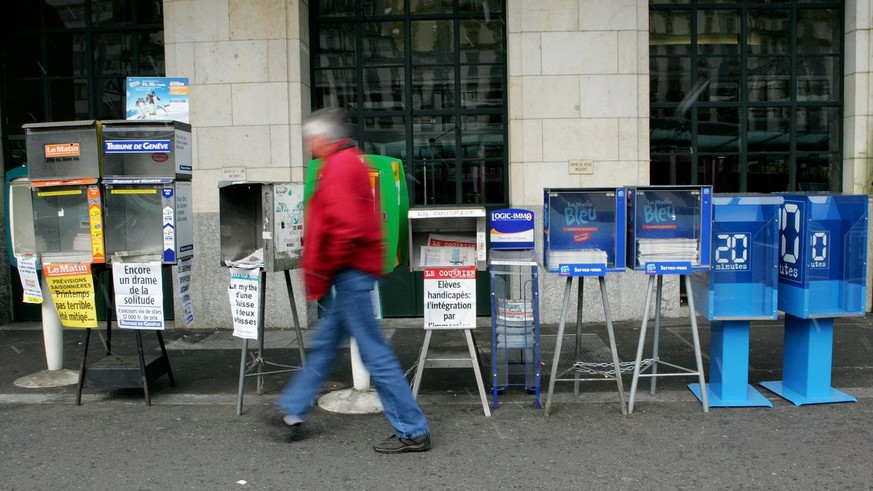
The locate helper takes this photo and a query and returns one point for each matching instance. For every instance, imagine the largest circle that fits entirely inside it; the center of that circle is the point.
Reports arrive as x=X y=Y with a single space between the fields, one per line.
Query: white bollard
x=52 y=330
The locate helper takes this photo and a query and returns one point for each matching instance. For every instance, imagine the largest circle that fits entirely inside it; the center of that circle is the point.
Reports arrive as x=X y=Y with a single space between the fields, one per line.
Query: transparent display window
x=133 y=227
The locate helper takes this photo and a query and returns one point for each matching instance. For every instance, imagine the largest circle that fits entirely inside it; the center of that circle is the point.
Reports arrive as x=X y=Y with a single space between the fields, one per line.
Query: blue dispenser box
x=584 y=230
x=742 y=282
x=669 y=228
x=822 y=255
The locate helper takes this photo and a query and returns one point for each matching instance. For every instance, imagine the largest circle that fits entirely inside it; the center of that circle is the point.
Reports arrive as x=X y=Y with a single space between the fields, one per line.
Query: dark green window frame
x=418 y=85
x=773 y=122
x=67 y=60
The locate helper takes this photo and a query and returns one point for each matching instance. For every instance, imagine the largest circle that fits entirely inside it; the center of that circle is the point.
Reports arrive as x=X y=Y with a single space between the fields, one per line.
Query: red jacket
x=342 y=226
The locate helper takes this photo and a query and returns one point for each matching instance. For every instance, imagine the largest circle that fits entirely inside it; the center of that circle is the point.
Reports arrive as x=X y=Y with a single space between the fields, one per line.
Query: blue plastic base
x=753 y=397
x=799 y=399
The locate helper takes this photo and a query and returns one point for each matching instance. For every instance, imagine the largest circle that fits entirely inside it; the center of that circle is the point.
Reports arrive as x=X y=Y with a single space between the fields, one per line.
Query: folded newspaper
x=252 y=261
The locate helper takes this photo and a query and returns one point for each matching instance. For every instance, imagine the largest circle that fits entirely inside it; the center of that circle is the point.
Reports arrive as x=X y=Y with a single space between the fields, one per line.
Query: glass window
x=818 y=31
x=431 y=82
x=433 y=41
x=430 y=6
x=336 y=46
x=433 y=88
x=481 y=41
x=336 y=88
x=670 y=79
x=769 y=32
x=384 y=88
x=383 y=43
x=756 y=84
x=67 y=14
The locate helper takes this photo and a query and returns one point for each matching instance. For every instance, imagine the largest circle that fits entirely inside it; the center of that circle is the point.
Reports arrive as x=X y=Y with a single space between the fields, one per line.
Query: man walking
x=342 y=250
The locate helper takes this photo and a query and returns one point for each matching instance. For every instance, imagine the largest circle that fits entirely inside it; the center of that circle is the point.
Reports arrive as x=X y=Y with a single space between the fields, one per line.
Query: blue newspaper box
x=742 y=280
x=584 y=230
x=822 y=255
x=822 y=275
x=668 y=228
x=740 y=286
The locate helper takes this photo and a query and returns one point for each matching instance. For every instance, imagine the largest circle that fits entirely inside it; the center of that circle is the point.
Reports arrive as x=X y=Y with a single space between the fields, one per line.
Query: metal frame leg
x=422 y=359
x=615 y=361
x=698 y=357
x=579 y=303
x=474 y=359
x=640 y=344
x=558 y=342
x=659 y=290
x=300 y=347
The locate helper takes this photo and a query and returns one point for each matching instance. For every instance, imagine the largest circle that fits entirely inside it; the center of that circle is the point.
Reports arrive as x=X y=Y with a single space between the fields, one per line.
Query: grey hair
x=328 y=123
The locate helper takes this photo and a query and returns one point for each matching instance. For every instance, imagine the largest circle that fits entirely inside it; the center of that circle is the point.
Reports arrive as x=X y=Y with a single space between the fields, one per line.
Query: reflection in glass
x=669 y=79
x=718 y=130
x=769 y=32
x=671 y=168
x=481 y=182
x=433 y=41
x=818 y=31
x=435 y=182
x=818 y=172
x=382 y=7
x=669 y=131
x=769 y=129
x=335 y=88
x=433 y=87
x=669 y=33
x=723 y=77
x=336 y=8
x=70 y=13
x=383 y=88
x=67 y=55
x=336 y=47
x=718 y=32
x=486 y=7
x=111 y=93
x=818 y=129
x=769 y=78
x=69 y=100
x=482 y=86
x=482 y=41
x=382 y=43
x=721 y=171
x=385 y=135
x=430 y=6
x=816 y=78
x=767 y=173
x=482 y=137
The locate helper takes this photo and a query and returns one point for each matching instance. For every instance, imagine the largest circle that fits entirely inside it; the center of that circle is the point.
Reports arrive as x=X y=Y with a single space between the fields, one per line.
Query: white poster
x=244 y=293
x=139 y=297
x=29 y=279
x=185 y=290
x=450 y=298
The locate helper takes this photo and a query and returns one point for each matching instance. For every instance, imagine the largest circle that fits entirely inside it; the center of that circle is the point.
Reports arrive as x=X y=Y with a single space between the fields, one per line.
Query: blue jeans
x=350 y=313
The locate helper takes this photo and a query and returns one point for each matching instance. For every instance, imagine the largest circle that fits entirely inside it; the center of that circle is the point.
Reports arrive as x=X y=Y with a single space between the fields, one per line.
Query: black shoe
x=395 y=444
x=280 y=429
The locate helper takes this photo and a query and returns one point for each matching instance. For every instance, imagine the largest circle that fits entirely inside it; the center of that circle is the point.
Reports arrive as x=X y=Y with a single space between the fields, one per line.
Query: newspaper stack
x=252 y=261
x=577 y=256
x=515 y=320
x=667 y=250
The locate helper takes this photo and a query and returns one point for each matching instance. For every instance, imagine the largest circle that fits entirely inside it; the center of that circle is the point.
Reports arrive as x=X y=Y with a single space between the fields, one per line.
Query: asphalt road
x=662 y=445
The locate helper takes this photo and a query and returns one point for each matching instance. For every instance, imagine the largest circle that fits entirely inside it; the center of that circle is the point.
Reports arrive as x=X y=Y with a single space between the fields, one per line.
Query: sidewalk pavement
x=206 y=362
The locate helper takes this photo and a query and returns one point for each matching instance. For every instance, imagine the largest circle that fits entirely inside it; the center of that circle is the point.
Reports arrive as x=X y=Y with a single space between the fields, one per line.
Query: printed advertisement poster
x=450 y=298
x=29 y=279
x=72 y=288
x=157 y=98
x=244 y=288
x=139 y=298
x=185 y=274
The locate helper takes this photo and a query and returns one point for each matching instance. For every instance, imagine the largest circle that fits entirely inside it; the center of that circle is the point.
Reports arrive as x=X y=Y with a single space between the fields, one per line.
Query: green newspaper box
x=388 y=182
